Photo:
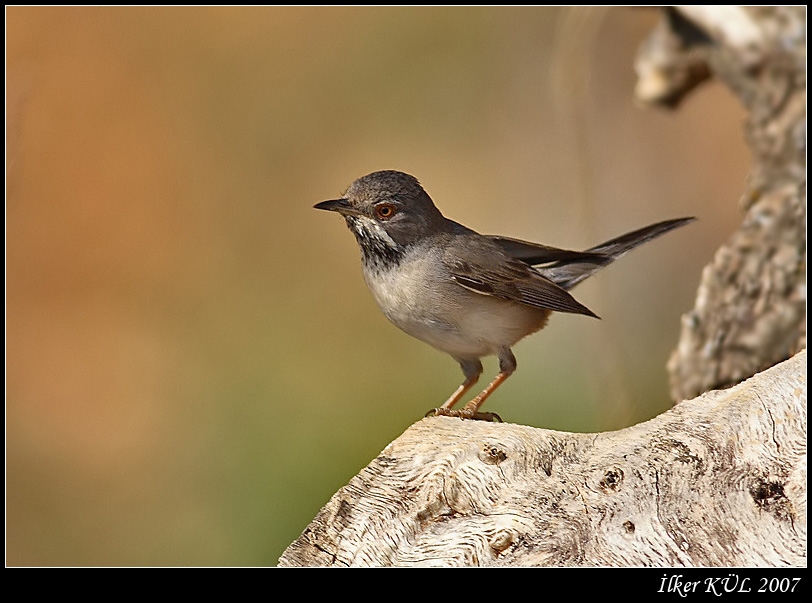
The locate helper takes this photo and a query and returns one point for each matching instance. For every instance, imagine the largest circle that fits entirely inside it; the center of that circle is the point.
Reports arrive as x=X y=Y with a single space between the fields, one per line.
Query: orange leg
x=507 y=364
x=459 y=393
x=473 y=406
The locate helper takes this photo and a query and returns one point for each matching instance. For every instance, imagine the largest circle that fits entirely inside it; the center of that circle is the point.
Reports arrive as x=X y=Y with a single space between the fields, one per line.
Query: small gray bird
x=466 y=294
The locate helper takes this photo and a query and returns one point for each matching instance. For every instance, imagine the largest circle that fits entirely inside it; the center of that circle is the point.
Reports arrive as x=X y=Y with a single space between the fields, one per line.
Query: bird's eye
x=384 y=211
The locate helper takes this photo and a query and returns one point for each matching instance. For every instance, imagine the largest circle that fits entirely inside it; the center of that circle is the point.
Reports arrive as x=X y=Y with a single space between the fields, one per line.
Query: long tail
x=568 y=271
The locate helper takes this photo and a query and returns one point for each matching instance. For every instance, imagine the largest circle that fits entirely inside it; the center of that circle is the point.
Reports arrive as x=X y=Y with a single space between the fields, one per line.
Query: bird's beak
x=342 y=206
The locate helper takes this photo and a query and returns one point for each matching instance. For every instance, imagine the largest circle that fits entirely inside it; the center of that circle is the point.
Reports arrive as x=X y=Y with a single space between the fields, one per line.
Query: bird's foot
x=464 y=413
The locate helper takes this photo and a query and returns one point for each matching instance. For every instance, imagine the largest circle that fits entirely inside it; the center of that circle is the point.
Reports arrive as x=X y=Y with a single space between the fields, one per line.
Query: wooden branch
x=715 y=481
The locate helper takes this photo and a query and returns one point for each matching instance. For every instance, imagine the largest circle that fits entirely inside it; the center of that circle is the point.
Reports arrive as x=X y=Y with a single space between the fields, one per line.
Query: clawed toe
x=464 y=413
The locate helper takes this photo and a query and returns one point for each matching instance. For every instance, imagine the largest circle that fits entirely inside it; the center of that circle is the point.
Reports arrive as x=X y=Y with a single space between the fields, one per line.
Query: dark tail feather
x=568 y=273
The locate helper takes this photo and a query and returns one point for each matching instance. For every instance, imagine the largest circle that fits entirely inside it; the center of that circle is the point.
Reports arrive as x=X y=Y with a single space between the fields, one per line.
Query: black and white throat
x=379 y=252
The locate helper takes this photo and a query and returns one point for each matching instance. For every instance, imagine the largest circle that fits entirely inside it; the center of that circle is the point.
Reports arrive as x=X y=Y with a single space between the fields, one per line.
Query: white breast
x=420 y=298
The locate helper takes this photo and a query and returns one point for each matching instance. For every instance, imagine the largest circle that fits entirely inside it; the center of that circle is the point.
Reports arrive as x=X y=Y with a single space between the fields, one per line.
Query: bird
x=464 y=293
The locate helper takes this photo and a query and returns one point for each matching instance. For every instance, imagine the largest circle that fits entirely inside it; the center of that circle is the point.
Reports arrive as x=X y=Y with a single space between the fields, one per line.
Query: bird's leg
x=507 y=364
x=472 y=369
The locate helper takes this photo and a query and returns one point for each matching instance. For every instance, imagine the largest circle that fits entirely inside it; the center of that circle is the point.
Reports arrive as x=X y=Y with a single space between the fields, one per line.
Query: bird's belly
x=451 y=318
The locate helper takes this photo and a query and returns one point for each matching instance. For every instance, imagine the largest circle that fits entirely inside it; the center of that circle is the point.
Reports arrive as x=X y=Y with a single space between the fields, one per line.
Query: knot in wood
x=611 y=480
x=629 y=527
x=768 y=494
x=492 y=454
x=501 y=540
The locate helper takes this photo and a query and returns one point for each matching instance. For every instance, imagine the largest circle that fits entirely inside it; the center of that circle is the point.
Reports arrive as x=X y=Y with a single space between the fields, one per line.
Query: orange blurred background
x=194 y=365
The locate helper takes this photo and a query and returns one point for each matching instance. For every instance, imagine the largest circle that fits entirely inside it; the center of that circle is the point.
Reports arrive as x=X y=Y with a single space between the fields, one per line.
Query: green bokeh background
x=194 y=365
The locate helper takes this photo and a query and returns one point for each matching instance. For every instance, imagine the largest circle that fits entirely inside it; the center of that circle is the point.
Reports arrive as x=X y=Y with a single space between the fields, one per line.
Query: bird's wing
x=497 y=274
x=534 y=254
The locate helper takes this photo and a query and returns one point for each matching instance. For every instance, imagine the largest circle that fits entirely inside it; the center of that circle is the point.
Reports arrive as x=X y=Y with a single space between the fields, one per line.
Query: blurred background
x=194 y=364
